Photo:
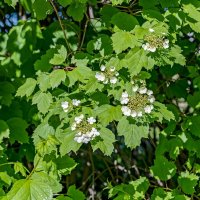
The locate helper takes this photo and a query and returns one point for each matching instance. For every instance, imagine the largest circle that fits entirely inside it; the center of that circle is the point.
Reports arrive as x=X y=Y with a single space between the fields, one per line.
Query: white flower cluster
x=137 y=104
x=154 y=42
x=107 y=75
x=65 y=105
x=85 y=129
x=191 y=36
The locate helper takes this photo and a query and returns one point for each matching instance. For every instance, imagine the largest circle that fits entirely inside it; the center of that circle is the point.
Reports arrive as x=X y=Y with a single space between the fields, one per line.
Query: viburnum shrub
x=99 y=99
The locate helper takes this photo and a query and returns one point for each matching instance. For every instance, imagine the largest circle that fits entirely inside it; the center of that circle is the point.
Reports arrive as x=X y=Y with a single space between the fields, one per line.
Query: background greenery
x=49 y=52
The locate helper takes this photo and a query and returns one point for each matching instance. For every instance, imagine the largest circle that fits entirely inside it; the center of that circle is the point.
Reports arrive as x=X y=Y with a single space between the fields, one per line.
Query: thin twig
x=93 y=170
x=84 y=32
x=61 y=25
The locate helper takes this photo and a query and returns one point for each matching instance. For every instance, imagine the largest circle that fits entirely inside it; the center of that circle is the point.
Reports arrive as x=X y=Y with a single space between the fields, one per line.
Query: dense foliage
x=99 y=99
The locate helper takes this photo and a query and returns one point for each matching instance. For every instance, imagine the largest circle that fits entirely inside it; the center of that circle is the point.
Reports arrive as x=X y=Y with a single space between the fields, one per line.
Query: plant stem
x=61 y=25
x=33 y=170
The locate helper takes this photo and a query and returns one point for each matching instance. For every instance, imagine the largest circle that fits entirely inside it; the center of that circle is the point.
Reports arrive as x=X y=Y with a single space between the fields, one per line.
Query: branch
x=61 y=25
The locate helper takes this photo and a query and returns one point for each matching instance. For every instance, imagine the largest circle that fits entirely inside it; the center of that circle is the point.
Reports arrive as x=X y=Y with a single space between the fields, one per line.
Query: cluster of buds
x=139 y=103
x=107 y=75
x=154 y=42
x=85 y=129
x=66 y=105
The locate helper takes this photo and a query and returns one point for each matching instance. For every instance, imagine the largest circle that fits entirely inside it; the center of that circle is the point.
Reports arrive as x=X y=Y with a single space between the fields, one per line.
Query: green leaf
x=107 y=113
x=4 y=130
x=105 y=143
x=60 y=56
x=18 y=167
x=27 y=88
x=65 y=164
x=134 y=190
x=79 y=74
x=56 y=77
x=6 y=90
x=42 y=8
x=93 y=85
x=44 y=130
x=43 y=101
x=11 y=2
x=163 y=112
x=44 y=81
x=175 y=53
x=68 y=143
x=132 y=133
x=124 y=21
x=43 y=64
x=64 y=3
x=166 y=172
x=30 y=190
x=194 y=123
x=188 y=182
x=117 y=2
x=136 y=59
x=46 y=146
x=49 y=180
x=123 y=40
x=76 y=10
x=107 y=12
x=160 y=194
x=75 y=194
x=17 y=128
x=5 y=178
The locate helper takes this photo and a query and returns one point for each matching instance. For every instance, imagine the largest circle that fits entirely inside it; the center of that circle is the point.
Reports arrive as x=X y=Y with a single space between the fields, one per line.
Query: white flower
x=133 y=114
x=85 y=140
x=112 y=68
x=94 y=132
x=116 y=73
x=139 y=114
x=91 y=120
x=103 y=67
x=76 y=102
x=190 y=34
x=148 y=109
x=113 y=80
x=135 y=88
x=79 y=139
x=151 y=99
x=145 y=46
x=166 y=41
x=191 y=39
x=165 y=45
x=79 y=119
x=126 y=110
x=124 y=100
x=106 y=81
x=124 y=94
x=65 y=105
x=151 y=30
x=142 y=90
x=149 y=92
x=73 y=127
x=152 y=49
x=100 y=76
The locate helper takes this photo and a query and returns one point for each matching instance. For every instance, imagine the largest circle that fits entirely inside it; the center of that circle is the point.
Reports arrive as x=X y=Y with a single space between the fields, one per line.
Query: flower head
x=138 y=104
x=85 y=128
x=107 y=75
